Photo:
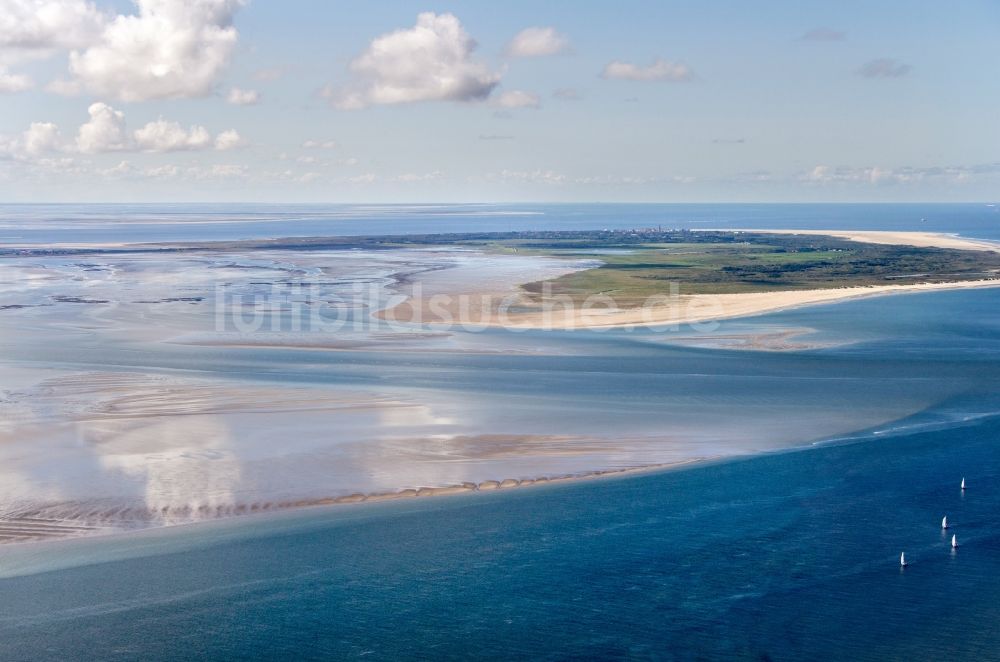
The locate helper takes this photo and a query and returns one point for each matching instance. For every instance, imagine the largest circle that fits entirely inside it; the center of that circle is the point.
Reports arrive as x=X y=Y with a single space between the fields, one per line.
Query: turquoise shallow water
x=783 y=555
x=788 y=555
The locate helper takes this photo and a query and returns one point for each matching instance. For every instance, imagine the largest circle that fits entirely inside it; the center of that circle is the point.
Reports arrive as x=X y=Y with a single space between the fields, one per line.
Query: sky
x=393 y=101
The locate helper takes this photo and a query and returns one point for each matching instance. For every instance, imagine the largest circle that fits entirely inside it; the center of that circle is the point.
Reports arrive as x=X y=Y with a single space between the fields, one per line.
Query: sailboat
x=902 y=560
x=954 y=542
x=944 y=522
x=963 y=482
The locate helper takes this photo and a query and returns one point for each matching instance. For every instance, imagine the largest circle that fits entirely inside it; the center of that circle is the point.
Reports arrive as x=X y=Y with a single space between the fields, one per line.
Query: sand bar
x=918 y=239
x=515 y=310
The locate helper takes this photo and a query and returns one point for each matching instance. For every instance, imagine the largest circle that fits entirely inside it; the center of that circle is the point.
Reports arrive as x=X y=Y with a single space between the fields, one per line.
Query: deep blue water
x=784 y=556
x=40 y=224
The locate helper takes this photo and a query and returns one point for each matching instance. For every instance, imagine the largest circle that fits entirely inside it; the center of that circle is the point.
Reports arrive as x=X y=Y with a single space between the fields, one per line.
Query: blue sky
x=224 y=100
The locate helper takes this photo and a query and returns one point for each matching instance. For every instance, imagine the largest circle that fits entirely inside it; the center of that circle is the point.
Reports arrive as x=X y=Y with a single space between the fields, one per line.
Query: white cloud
x=104 y=132
x=164 y=136
x=162 y=172
x=41 y=137
x=241 y=97
x=319 y=144
x=660 y=69
x=33 y=144
x=884 y=68
x=219 y=171
x=431 y=61
x=10 y=83
x=227 y=140
x=170 y=49
x=873 y=175
x=518 y=99
x=555 y=178
x=123 y=169
x=533 y=176
x=536 y=42
x=48 y=25
x=228 y=170
x=412 y=177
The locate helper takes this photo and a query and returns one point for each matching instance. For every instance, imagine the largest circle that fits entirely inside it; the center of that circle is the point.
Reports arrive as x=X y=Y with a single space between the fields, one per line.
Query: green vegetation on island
x=635 y=264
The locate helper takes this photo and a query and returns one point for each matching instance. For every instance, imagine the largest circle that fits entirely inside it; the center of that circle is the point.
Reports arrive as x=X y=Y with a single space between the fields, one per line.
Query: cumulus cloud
x=10 y=83
x=104 y=132
x=38 y=140
x=537 y=42
x=221 y=171
x=531 y=176
x=41 y=137
x=228 y=140
x=240 y=97
x=432 y=61
x=882 y=176
x=414 y=177
x=43 y=26
x=518 y=99
x=824 y=34
x=169 y=49
x=555 y=178
x=164 y=136
x=884 y=68
x=822 y=174
x=659 y=70
x=319 y=144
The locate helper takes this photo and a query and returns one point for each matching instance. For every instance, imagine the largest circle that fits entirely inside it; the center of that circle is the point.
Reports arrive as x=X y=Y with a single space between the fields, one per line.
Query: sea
x=783 y=551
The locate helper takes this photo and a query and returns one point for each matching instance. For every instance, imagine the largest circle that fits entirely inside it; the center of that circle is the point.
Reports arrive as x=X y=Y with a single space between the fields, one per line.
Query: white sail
x=954 y=541
x=944 y=522
x=902 y=558
x=963 y=482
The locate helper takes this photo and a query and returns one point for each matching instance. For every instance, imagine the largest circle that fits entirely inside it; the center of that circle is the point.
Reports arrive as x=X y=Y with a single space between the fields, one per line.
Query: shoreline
x=682 y=309
x=63 y=530
x=492 y=312
x=917 y=239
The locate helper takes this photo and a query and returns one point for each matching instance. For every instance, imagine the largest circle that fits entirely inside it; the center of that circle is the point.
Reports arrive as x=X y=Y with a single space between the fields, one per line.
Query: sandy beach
x=178 y=434
x=919 y=239
x=513 y=312
x=514 y=309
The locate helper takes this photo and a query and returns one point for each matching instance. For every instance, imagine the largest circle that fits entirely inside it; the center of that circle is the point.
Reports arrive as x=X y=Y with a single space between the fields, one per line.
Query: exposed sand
x=24 y=529
x=149 y=449
x=778 y=341
x=515 y=310
x=919 y=239
x=681 y=309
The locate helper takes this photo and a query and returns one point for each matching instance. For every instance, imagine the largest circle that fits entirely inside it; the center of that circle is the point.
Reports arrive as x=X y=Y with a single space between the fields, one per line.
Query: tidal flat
x=146 y=387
